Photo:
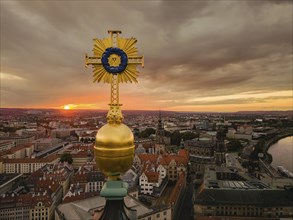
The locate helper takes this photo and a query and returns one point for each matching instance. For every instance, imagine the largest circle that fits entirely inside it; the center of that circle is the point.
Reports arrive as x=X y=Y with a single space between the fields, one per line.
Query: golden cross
x=115 y=61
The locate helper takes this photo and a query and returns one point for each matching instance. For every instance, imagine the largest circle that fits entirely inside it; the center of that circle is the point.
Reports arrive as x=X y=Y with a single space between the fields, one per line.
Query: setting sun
x=66 y=107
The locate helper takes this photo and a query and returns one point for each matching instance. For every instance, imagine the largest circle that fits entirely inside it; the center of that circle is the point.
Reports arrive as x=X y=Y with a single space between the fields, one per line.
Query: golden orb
x=114 y=149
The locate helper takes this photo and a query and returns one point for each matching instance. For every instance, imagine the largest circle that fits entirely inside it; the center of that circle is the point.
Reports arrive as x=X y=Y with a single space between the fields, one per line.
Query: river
x=282 y=153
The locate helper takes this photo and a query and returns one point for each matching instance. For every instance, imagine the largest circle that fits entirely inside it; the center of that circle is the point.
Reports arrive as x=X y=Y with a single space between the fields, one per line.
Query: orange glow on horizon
x=271 y=102
x=66 y=107
x=271 y=105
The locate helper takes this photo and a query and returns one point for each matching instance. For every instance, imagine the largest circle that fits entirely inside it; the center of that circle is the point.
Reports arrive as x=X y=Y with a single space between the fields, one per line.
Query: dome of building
x=114 y=149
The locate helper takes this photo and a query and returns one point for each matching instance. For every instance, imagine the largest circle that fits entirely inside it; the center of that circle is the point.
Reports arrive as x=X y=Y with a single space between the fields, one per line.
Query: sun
x=66 y=107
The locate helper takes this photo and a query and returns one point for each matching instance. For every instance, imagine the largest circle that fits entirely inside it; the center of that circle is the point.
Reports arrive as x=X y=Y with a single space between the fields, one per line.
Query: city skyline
x=199 y=56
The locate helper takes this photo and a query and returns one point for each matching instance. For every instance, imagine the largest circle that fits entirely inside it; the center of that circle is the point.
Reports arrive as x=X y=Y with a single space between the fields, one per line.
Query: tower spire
x=114 y=61
x=160 y=133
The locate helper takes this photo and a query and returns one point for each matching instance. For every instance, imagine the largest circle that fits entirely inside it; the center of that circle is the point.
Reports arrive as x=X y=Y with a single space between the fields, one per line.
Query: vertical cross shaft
x=114 y=115
x=114 y=81
x=114 y=91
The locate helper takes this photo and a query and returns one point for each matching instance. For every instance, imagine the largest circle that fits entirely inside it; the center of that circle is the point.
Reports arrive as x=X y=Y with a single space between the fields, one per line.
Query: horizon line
x=81 y=109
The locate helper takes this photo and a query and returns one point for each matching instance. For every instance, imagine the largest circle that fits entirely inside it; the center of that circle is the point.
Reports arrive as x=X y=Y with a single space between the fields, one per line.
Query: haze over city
x=199 y=56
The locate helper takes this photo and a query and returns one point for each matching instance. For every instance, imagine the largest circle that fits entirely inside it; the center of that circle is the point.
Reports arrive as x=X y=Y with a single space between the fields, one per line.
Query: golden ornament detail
x=115 y=61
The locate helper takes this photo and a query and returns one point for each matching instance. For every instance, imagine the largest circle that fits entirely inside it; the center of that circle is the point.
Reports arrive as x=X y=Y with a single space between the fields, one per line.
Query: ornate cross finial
x=115 y=61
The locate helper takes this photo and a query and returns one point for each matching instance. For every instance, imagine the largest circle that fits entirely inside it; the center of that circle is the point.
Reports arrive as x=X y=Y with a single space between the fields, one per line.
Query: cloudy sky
x=199 y=55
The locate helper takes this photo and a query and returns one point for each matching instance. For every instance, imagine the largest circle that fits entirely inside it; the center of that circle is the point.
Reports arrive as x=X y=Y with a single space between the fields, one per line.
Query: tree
x=234 y=145
x=66 y=157
x=146 y=133
x=136 y=131
x=259 y=147
x=188 y=136
x=176 y=138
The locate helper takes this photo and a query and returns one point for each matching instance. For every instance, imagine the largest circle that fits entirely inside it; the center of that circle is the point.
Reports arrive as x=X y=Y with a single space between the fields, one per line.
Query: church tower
x=220 y=149
x=160 y=133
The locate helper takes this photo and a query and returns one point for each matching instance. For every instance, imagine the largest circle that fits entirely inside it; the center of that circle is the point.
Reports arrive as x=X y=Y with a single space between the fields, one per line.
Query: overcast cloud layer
x=197 y=53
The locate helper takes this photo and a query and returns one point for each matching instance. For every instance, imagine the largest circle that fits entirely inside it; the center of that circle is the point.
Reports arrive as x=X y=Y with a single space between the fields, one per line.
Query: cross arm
x=136 y=60
x=92 y=60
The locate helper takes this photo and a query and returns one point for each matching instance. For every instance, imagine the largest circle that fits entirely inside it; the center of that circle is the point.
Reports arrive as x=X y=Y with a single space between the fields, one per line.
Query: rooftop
x=84 y=209
x=5 y=178
x=253 y=197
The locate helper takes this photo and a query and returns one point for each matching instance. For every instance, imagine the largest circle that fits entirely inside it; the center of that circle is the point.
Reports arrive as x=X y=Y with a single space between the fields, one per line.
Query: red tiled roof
x=47 y=184
x=31 y=160
x=153 y=177
x=166 y=159
x=27 y=200
x=2 y=142
x=80 y=177
x=45 y=199
x=183 y=153
x=23 y=199
x=148 y=157
x=81 y=147
x=181 y=158
x=14 y=149
x=176 y=190
x=149 y=167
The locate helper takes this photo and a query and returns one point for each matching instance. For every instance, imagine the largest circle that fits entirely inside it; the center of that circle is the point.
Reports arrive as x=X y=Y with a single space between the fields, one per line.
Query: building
x=39 y=132
x=18 y=139
x=225 y=193
x=220 y=151
x=21 y=151
x=201 y=154
x=81 y=154
x=177 y=194
x=26 y=207
x=61 y=133
x=15 y=207
x=8 y=181
x=41 y=207
x=89 y=178
x=151 y=179
x=131 y=176
x=161 y=140
x=27 y=165
x=242 y=132
x=174 y=164
x=231 y=133
x=87 y=136
x=45 y=143
x=59 y=172
x=6 y=145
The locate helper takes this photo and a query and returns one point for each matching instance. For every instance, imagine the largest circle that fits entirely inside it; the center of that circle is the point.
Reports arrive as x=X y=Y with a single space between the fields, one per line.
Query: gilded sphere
x=114 y=149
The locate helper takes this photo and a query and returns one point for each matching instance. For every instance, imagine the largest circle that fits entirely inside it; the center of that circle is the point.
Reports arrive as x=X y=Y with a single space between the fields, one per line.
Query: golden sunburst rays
x=130 y=73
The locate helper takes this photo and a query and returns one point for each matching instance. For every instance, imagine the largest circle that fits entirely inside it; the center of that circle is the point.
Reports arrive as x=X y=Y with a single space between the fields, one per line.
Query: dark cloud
x=191 y=48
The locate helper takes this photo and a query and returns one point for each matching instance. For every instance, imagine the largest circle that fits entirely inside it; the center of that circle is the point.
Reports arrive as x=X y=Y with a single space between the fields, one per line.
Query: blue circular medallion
x=123 y=60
